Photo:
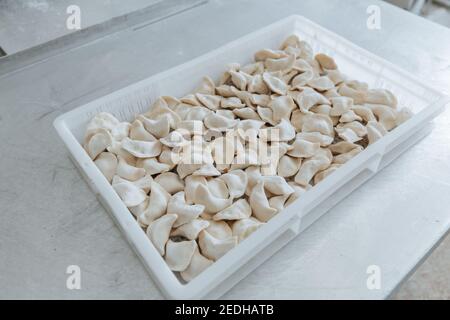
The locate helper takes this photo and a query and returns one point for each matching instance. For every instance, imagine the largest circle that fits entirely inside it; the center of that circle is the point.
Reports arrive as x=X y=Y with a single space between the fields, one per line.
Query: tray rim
x=208 y=280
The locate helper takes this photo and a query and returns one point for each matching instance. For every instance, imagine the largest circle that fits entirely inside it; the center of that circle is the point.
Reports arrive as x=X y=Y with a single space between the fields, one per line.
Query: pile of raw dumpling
x=203 y=172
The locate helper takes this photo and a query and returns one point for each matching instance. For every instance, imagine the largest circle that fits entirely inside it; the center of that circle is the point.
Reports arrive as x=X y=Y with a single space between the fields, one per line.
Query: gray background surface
x=50 y=218
x=25 y=24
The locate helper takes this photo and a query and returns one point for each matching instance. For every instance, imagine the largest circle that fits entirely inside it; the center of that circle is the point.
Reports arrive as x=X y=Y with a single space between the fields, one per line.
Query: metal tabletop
x=50 y=219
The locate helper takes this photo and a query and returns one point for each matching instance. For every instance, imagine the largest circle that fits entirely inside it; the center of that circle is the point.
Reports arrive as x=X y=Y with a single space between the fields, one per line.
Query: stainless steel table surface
x=50 y=219
x=25 y=24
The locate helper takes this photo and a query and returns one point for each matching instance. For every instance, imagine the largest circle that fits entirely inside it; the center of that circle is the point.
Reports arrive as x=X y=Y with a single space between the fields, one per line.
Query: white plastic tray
x=236 y=264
